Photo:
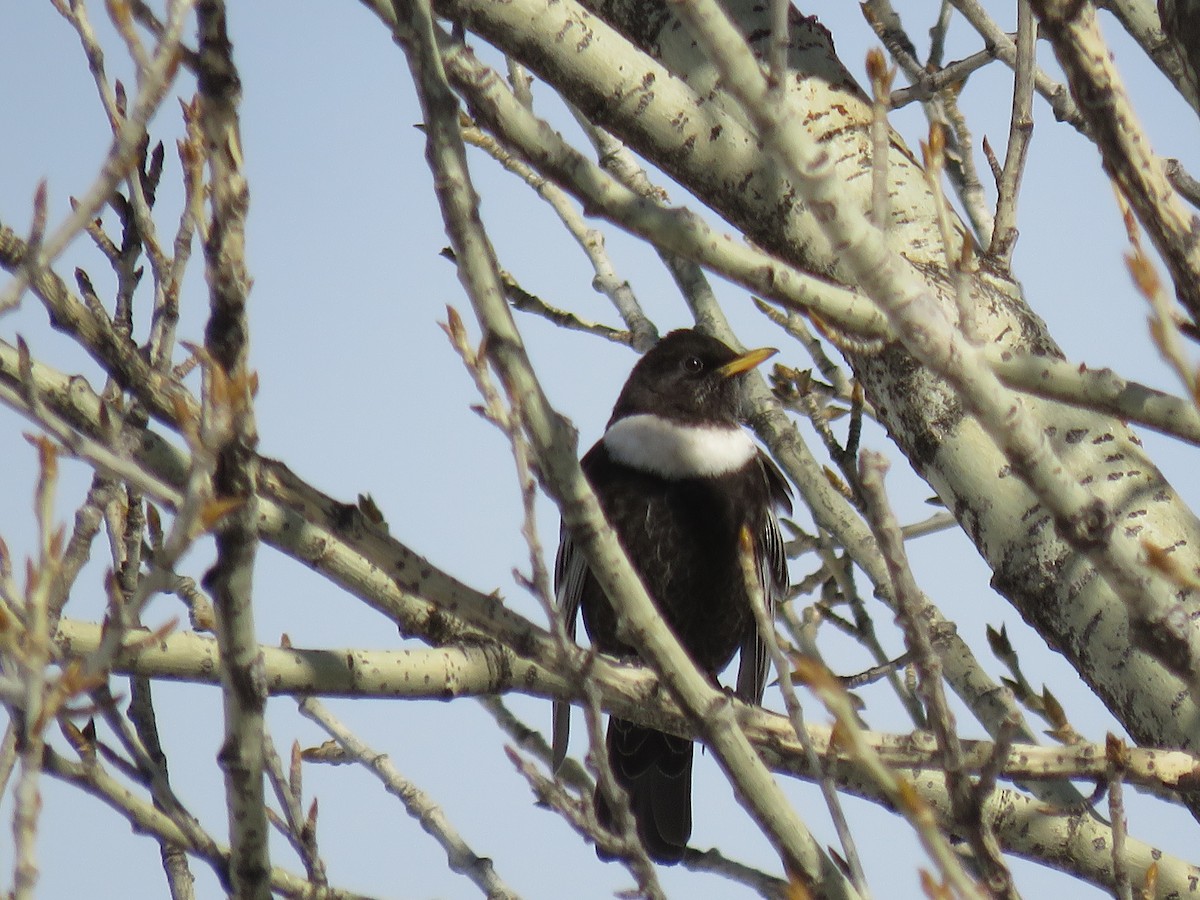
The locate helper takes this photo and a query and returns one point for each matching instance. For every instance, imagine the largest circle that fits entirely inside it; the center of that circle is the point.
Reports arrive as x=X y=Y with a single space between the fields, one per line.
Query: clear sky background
x=361 y=393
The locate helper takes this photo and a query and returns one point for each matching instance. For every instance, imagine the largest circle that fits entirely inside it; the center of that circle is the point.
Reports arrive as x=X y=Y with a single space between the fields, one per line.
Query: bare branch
x=1020 y=130
x=155 y=82
x=420 y=806
x=229 y=415
x=1125 y=148
x=967 y=808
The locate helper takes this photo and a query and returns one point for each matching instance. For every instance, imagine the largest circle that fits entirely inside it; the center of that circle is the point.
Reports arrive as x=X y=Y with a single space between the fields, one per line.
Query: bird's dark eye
x=693 y=364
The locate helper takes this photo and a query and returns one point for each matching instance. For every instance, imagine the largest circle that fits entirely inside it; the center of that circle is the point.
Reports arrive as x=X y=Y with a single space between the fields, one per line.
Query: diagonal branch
x=1125 y=148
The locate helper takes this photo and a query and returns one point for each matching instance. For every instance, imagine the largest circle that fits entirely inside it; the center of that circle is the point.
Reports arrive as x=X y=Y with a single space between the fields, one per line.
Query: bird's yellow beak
x=746 y=361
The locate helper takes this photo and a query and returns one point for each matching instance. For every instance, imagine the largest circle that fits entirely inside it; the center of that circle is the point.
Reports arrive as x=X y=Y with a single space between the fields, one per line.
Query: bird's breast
x=682 y=537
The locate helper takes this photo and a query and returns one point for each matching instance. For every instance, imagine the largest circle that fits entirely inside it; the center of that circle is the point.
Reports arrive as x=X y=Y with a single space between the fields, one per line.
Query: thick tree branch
x=1072 y=839
x=451 y=672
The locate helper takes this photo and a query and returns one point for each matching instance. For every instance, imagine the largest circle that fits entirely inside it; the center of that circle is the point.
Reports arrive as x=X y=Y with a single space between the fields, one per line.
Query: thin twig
x=968 y=811
x=142 y=815
x=156 y=80
x=1116 y=752
x=299 y=829
x=1020 y=130
x=459 y=855
x=881 y=84
x=765 y=624
x=590 y=240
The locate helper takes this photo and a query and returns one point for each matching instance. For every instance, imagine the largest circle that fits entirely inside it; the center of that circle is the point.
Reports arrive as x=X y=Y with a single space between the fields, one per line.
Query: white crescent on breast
x=675 y=450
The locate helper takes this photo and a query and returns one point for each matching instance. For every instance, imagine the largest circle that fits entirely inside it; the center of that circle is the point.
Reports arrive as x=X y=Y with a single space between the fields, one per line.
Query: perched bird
x=678 y=478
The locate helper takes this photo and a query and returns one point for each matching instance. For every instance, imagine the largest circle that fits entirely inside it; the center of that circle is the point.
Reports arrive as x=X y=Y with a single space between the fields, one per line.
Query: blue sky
x=361 y=393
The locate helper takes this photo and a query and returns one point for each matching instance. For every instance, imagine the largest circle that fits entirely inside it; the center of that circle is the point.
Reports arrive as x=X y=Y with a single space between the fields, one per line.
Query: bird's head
x=689 y=378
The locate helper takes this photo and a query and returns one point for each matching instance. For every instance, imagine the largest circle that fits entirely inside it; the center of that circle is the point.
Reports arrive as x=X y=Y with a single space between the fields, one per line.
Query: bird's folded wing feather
x=570 y=575
x=771 y=559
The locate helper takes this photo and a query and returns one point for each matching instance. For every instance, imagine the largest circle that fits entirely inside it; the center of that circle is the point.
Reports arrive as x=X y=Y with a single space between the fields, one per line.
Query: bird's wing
x=570 y=576
x=772 y=579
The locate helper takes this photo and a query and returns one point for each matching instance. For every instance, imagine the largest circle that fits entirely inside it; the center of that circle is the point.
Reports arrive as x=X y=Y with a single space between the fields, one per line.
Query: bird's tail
x=656 y=770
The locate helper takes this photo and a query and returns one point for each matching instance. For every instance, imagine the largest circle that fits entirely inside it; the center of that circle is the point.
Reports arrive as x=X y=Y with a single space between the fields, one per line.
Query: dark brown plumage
x=678 y=479
x=1180 y=21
